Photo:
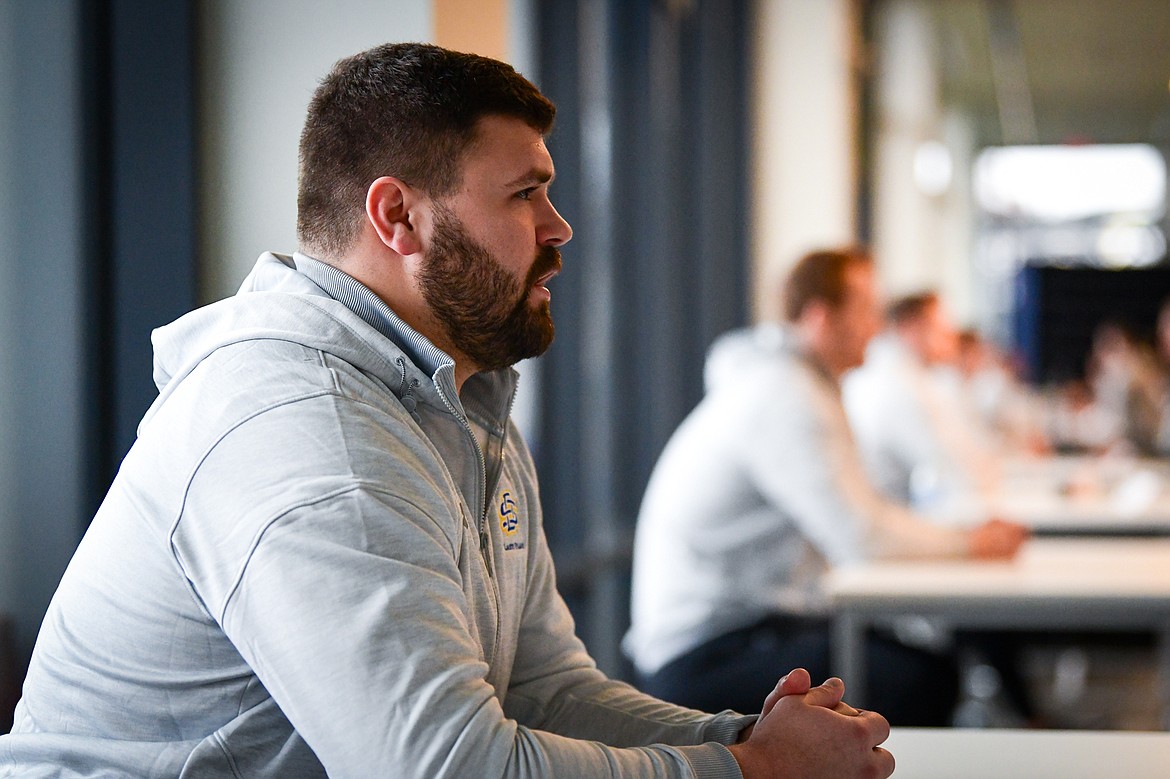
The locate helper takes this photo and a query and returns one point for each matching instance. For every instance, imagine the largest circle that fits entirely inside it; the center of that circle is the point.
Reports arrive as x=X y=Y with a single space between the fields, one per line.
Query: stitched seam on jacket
x=231 y=760
x=264 y=528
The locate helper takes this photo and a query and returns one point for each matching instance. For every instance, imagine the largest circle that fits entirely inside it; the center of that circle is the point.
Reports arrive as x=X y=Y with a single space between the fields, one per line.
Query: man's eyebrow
x=534 y=176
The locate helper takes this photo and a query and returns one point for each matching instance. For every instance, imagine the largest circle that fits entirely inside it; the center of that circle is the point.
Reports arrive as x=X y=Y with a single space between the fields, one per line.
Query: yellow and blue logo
x=509 y=518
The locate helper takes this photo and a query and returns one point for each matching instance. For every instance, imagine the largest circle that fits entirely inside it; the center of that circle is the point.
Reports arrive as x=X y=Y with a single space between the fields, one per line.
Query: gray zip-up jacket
x=318 y=559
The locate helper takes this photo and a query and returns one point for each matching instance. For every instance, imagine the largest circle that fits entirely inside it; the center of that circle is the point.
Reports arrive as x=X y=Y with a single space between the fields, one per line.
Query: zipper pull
x=485 y=549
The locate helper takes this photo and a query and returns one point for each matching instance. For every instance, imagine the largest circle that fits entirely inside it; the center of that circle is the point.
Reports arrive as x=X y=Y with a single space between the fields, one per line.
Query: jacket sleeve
x=347 y=604
x=801 y=455
x=556 y=686
x=913 y=439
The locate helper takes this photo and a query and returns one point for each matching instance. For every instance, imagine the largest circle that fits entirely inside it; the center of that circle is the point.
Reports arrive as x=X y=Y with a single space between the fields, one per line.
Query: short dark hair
x=910 y=307
x=820 y=275
x=407 y=110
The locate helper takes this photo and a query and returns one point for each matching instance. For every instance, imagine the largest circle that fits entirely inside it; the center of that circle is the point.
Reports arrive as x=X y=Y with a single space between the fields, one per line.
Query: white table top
x=1082 y=569
x=1086 y=495
x=945 y=753
x=1086 y=583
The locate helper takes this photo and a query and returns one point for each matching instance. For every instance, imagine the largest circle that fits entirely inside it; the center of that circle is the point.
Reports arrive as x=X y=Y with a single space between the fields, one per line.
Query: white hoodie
x=308 y=565
x=758 y=491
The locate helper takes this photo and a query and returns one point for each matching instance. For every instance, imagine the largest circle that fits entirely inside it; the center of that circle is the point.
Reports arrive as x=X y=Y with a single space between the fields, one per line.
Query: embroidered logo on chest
x=506 y=510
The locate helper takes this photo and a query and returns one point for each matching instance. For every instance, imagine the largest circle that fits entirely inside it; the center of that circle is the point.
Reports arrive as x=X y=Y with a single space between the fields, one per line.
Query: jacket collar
x=422 y=363
x=322 y=307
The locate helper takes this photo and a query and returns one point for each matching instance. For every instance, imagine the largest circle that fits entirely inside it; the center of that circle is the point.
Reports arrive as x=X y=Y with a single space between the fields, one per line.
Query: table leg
x=849 y=656
x=1164 y=674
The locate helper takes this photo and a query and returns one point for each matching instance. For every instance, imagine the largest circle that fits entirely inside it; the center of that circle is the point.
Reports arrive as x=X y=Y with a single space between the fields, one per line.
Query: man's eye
x=526 y=194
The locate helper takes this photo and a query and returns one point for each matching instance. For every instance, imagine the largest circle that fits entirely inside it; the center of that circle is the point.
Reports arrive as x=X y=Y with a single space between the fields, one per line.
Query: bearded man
x=324 y=553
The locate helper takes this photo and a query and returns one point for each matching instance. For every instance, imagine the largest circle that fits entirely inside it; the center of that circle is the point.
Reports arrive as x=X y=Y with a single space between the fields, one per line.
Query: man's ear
x=391 y=208
x=815 y=314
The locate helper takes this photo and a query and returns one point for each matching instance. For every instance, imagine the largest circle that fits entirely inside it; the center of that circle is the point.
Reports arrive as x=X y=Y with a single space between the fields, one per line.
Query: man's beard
x=485 y=312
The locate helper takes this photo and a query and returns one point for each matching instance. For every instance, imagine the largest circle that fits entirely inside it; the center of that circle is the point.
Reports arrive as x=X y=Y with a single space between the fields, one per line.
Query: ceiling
x=1055 y=71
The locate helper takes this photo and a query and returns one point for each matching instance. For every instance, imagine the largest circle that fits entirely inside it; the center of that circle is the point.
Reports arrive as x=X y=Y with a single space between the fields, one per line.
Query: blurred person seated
x=1004 y=406
x=1127 y=384
x=758 y=492
x=1118 y=407
x=1162 y=348
x=1075 y=423
x=918 y=443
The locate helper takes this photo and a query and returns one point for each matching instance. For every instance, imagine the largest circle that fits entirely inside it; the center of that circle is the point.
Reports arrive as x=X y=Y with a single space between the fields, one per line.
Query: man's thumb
x=828 y=694
x=797 y=682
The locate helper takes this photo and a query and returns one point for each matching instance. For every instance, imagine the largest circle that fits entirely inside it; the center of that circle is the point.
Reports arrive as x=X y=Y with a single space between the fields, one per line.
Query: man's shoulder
x=292 y=409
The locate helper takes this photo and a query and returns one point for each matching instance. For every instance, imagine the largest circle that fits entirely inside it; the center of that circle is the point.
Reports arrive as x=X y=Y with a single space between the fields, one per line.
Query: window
x=1094 y=205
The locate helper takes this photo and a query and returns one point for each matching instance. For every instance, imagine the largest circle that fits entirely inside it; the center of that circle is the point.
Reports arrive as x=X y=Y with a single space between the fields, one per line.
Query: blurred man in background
x=919 y=446
x=758 y=492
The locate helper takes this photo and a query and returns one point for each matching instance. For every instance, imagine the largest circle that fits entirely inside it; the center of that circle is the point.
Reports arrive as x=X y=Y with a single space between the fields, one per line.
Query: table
x=1075 y=495
x=1056 y=583
x=949 y=753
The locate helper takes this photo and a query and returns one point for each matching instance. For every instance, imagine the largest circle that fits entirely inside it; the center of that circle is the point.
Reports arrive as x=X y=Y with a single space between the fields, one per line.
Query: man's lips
x=546 y=278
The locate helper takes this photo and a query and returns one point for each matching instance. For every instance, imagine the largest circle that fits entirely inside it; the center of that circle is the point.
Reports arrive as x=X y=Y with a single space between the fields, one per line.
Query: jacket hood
x=736 y=350
x=278 y=302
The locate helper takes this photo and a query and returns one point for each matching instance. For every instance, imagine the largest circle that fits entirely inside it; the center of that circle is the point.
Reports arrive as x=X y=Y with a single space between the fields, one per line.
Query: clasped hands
x=807 y=732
